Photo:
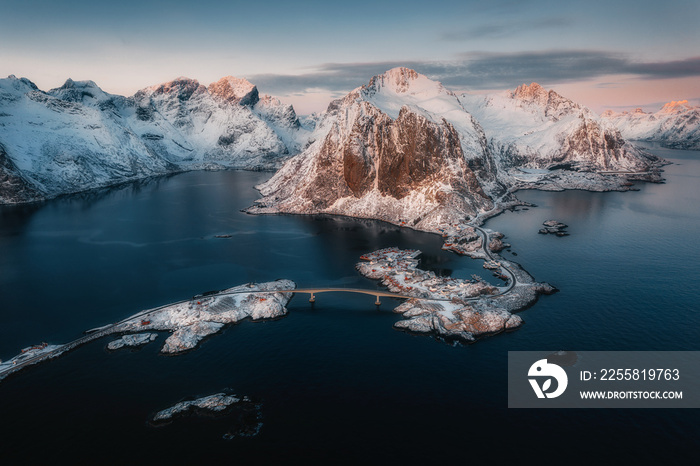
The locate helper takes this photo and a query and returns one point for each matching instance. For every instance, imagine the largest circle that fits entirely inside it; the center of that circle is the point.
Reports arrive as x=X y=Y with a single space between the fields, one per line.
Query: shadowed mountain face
x=14 y=188
x=394 y=157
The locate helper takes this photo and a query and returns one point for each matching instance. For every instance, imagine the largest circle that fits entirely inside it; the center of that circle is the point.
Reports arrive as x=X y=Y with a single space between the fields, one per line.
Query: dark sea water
x=336 y=382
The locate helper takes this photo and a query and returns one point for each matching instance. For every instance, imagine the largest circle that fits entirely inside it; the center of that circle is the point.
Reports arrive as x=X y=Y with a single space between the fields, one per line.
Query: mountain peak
x=535 y=96
x=78 y=91
x=18 y=83
x=402 y=80
x=235 y=90
x=182 y=87
x=675 y=106
x=531 y=92
x=70 y=84
x=401 y=77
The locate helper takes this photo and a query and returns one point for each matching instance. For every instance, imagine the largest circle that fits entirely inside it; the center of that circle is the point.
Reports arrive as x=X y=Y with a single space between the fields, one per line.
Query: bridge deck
x=386 y=294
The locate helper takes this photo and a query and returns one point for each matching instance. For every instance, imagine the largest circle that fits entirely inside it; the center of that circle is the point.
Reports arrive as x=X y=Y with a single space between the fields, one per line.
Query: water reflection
x=583 y=204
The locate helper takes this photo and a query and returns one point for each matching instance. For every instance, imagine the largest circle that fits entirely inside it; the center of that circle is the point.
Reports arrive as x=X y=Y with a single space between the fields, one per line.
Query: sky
x=615 y=54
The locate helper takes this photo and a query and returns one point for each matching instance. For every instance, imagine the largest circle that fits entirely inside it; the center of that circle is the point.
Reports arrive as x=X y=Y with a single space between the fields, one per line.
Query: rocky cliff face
x=676 y=125
x=382 y=153
x=13 y=187
x=78 y=137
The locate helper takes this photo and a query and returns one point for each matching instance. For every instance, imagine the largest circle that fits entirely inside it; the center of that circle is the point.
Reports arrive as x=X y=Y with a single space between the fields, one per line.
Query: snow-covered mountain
x=401 y=149
x=676 y=125
x=78 y=137
x=406 y=150
x=539 y=136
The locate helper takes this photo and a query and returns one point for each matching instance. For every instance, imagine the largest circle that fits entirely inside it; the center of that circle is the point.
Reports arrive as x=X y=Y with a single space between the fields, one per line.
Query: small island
x=554 y=227
x=248 y=414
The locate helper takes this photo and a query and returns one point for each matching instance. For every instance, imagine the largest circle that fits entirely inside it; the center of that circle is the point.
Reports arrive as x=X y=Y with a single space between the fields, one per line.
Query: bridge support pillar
x=377 y=302
x=312 y=299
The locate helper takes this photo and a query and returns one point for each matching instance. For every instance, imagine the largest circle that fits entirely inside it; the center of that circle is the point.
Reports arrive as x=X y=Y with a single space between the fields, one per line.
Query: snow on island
x=28 y=356
x=190 y=321
x=214 y=403
x=449 y=307
x=249 y=420
x=138 y=339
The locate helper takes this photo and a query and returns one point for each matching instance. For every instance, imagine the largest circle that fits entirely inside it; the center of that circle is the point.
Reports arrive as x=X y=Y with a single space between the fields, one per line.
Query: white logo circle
x=542 y=369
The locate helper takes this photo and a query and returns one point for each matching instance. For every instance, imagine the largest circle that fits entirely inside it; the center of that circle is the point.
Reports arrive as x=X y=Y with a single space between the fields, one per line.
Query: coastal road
x=485 y=242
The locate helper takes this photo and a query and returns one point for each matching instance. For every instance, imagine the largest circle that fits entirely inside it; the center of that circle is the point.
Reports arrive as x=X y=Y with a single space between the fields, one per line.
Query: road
x=485 y=238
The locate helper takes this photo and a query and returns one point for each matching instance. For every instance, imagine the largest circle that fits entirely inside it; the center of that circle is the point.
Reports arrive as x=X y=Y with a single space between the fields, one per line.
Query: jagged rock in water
x=554 y=227
x=249 y=413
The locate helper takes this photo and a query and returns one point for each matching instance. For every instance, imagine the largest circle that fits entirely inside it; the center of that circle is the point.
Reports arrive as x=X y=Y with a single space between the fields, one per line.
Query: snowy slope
x=541 y=139
x=535 y=128
x=60 y=146
x=78 y=137
x=676 y=125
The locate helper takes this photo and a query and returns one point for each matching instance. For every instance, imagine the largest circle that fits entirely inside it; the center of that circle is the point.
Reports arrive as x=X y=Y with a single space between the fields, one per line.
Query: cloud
x=479 y=71
x=670 y=69
x=608 y=85
x=506 y=29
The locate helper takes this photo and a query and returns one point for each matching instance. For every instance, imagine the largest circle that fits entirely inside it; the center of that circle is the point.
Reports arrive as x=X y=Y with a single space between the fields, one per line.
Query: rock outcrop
x=138 y=339
x=248 y=414
x=447 y=307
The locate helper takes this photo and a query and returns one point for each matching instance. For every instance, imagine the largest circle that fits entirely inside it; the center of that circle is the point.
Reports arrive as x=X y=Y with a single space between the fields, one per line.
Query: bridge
x=623 y=172
x=378 y=293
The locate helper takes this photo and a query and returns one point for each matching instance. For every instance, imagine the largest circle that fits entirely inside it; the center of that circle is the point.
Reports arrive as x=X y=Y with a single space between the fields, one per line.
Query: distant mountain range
x=402 y=148
x=676 y=125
